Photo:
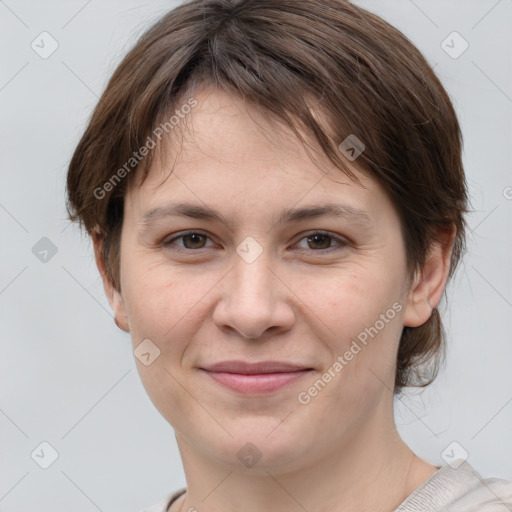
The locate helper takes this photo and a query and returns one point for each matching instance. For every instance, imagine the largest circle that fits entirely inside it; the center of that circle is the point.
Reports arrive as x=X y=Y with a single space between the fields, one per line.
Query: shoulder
x=485 y=495
x=459 y=488
x=164 y=504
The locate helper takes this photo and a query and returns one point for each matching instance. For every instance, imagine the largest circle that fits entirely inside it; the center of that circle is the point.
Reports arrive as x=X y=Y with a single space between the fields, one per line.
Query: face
x=326 y=292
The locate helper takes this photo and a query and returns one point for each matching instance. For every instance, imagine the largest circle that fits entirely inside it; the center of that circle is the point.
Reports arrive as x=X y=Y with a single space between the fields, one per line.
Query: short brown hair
x=369 y=80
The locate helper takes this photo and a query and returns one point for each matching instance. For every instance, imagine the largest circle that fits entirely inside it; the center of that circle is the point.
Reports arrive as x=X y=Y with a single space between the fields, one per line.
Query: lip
x=246 y=368
x=255 y=378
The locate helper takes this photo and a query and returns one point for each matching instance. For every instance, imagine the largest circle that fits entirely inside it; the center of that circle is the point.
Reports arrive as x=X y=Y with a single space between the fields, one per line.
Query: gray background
x=68 y=375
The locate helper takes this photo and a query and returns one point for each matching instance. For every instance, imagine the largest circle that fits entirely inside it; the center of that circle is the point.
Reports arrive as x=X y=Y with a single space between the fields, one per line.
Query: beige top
x=447 y=490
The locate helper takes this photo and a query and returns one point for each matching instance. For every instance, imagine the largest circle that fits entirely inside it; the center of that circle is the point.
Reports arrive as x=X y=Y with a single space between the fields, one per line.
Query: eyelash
x=169 y=242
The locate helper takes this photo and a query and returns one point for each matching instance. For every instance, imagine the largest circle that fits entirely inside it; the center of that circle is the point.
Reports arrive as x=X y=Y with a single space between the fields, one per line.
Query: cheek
x=358 y=315
x=348 y=301
x=162 y=306
x=163 y=303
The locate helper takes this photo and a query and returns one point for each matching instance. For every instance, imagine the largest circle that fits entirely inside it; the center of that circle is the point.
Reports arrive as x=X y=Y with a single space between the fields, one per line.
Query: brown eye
x=190 y=241
x=320 y=242
x=196 y=241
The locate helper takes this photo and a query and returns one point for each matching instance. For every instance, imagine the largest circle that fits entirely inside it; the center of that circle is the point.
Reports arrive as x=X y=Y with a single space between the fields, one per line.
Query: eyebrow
x=288 y=215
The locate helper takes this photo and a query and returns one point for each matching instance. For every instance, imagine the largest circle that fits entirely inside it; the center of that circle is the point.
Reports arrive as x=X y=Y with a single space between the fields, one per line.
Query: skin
x=200 y=303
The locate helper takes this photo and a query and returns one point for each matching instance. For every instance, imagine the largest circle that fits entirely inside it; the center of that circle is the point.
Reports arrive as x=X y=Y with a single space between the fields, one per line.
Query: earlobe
x=430 y=281
x=113 y=295
x=117 y=305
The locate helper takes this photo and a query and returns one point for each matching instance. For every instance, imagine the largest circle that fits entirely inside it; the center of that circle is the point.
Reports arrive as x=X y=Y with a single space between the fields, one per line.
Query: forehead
x=225 y=128
x=226 y=152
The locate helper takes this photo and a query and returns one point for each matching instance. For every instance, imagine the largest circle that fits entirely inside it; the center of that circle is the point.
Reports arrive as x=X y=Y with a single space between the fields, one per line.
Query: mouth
x=255 y=378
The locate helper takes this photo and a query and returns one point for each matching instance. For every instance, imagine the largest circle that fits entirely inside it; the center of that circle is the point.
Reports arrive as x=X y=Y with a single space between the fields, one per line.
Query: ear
x=113 y=295
x=429 y=282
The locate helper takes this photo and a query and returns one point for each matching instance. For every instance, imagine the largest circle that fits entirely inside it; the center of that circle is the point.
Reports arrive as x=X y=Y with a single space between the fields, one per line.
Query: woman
x=276 y=198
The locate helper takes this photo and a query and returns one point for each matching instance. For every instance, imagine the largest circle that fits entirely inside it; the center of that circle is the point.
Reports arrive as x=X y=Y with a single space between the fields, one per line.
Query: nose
x=255 y=301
